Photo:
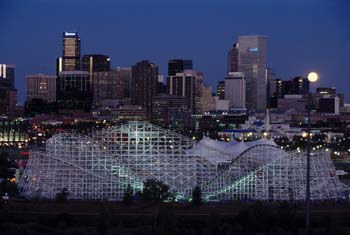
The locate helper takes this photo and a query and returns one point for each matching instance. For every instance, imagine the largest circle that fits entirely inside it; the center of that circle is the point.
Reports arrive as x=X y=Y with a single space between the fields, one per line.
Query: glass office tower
x=252 y=62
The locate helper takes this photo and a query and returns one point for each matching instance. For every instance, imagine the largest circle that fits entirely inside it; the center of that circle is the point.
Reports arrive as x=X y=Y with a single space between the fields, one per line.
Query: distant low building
x=221 y=104
x=41 y=86
x=13 y=133
x=163 y=105
x=329 y=105
x=131 y=113
x=297 y=102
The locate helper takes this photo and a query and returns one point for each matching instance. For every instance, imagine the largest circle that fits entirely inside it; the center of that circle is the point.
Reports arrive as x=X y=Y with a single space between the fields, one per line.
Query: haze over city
x=302 y=36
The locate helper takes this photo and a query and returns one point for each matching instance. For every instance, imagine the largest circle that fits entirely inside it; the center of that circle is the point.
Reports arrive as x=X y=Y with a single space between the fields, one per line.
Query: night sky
x=303 y=35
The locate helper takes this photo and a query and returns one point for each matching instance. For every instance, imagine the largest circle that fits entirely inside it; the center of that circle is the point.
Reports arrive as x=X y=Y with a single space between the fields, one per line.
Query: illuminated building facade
x=70 y=60
x=13 y=133
x=220 y=90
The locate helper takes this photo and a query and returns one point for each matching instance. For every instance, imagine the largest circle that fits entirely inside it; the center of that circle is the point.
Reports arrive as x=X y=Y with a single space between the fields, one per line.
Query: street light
x=312 y=77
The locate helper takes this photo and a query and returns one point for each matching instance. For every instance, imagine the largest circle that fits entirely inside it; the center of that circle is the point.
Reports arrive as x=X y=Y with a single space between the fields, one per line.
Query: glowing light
x=304 y=134
x=312 y=77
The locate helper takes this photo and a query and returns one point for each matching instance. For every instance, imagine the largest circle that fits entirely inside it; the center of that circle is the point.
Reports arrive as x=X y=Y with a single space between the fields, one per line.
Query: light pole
x=312 y=77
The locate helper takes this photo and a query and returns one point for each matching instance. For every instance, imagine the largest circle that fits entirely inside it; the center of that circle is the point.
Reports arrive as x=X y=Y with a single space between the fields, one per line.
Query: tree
x=156 y=191
x=9 y=187
x=128 y=195
x=197 y=196
x=62 y=196
x=5 y=164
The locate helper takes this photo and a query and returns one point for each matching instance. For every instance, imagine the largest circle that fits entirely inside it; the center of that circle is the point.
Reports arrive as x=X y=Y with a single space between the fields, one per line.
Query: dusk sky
x=303 y=35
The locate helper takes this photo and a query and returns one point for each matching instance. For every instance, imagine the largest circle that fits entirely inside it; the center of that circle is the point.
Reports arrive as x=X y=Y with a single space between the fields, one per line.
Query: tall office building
x=74 y=91
x=297 y=85
x=279 y=88
x=71 y=52
x=235 y=90
x=271 y=101
x=220 y=90
x=8 y=92
x=232 y=62
x=144 y=84
x=125 y=74
x=7 y=75
x=178 y=66
x=42 y=87
x=161 y=87
x=252 y=62
x=107 y=85
x=207 y=100
x=187 y=84
x=96 y=63
x=275 y=92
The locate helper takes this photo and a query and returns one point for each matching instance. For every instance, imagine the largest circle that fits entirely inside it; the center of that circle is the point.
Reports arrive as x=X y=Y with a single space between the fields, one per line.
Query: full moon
x=312 y=77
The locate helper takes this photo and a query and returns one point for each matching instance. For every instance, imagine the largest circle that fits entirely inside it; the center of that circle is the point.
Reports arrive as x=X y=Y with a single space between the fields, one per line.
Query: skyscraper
x=279 y=88
x=7 y=75
x=125 y=74
x=74 y=91
x=296 y=85
x=96 y=63
x=107 y=85
x=71 y=52
x=206 y=99
x=144 y=84
x=235 y=90
x=42 y=87
x=220 y=90
x=275 y=92
x=8 y=92
x=232 y=62
x=252 y=62
x=178 y=66
x=187 y=84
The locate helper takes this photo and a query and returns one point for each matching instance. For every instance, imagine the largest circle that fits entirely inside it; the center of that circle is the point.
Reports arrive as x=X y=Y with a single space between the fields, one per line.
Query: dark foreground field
x=43 y=217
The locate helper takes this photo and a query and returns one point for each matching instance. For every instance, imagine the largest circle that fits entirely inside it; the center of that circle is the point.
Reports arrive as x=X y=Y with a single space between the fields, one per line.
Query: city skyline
x=205 y=42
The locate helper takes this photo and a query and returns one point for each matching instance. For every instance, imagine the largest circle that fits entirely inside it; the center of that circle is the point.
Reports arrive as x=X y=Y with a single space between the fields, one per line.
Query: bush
x=197 y=196
x=156 y=191
x=128 y=195
x=62 y=196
